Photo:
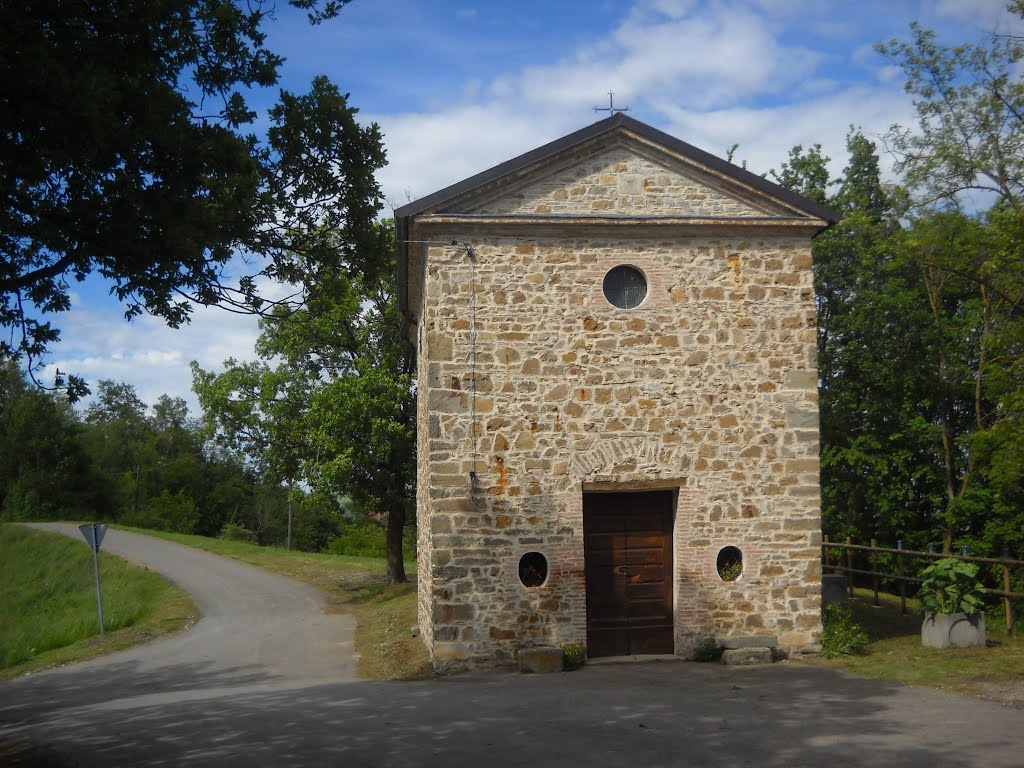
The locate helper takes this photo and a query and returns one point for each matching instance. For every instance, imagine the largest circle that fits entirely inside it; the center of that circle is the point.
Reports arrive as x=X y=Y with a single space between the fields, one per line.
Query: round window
x=625 y=287
x=730 y=563
x=533 y=569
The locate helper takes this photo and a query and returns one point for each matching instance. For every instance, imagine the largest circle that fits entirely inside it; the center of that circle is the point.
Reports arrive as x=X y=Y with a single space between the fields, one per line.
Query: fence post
x=874 y=569
x=824 y=555
x=1006 y=600
x=849 y=565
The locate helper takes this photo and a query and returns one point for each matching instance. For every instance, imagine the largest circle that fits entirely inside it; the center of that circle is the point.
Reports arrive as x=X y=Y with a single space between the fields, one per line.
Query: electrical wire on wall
x=471 y=255
x=474 y=480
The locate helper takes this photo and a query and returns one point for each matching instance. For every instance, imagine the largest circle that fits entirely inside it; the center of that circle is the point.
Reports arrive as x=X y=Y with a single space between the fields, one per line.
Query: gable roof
x=618 y=122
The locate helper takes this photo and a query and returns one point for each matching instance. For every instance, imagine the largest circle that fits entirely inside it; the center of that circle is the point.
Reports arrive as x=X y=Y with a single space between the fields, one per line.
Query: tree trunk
x=396 y=565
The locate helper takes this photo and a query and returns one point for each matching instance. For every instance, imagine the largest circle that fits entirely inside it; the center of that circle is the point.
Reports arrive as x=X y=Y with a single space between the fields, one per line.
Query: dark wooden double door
x=628 y=564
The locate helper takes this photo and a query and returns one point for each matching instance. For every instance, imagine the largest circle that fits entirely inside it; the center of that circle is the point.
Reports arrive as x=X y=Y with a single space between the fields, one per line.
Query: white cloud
x=98 y=343
x=713 y=75
x=985 y=16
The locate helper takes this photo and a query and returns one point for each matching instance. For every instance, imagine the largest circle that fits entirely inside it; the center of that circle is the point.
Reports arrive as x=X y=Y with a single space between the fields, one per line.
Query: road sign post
x=94 y=533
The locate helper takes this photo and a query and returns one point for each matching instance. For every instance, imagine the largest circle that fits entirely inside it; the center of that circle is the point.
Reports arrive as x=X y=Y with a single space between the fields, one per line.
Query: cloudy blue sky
x=460 y=86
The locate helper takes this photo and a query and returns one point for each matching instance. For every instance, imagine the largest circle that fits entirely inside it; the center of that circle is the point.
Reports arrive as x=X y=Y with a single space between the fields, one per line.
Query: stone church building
x=618 y=419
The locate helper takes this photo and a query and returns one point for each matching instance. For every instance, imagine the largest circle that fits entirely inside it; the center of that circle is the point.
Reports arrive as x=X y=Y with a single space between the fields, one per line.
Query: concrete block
x=953 y=630
x=833 y=588
x=540 y=659
x=750 y=641
x=746 y=657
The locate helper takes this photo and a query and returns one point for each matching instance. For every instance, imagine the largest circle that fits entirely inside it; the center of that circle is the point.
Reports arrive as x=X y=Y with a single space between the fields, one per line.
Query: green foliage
x=951 y=586
x=128 y=149
x=805 y=172
x=236 y=532
x=841 y=635
x=331 y=399
x=166 y=512
x=49 y=600
x=707 y=650
x=45 y=469
x=921 y=309
x=367 y=539
x=970 y=108
x=731 y=570
x=574 y=656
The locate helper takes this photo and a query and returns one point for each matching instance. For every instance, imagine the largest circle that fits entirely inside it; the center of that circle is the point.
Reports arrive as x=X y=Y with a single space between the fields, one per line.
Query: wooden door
x=627 y=541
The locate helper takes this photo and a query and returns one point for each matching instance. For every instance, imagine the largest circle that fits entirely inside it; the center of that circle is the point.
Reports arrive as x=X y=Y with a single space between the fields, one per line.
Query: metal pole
x=874 y=568
x=903 y=584
x=1006 y=600
x=849 y=565
x=291 y=485
x=96 y=573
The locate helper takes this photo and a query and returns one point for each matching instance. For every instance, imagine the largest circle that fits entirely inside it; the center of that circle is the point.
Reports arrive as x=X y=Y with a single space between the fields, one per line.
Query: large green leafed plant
x=951 y=586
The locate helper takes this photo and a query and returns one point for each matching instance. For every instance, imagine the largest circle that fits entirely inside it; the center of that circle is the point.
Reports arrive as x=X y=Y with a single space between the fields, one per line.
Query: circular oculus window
x=625 y=287
x=729 y=563
x=533 y=569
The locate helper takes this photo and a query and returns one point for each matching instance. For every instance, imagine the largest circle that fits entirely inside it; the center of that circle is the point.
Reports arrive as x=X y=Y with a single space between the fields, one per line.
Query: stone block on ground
x=749 y=641
x=953 y=630
x=833 y=588
x=746 y=657
x=541 y=659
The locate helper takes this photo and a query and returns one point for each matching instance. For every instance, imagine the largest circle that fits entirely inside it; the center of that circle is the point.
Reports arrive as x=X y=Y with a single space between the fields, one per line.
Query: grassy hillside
x=48 y=602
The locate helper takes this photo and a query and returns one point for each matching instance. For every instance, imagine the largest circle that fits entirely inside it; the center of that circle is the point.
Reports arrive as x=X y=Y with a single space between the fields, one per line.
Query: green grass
x=48 y=602
x=895 y=652
x=384 y=614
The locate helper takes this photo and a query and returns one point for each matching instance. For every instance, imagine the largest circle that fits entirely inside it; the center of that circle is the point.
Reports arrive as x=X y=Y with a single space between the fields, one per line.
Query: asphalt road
x=264 y=678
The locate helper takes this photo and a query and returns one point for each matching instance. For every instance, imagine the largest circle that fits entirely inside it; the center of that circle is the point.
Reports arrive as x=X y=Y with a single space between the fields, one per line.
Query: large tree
x=964 y=165
x=127 y=149
x=330 y=400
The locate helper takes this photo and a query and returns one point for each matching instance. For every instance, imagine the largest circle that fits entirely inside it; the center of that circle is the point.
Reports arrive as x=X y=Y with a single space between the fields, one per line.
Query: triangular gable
x=621 y=180
x=721 y=179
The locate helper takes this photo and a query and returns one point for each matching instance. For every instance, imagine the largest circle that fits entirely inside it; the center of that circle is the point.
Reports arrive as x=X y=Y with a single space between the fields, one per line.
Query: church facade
x=617 y=399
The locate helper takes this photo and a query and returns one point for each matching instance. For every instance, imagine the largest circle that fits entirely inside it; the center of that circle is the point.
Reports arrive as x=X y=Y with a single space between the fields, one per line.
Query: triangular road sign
x=94 y=533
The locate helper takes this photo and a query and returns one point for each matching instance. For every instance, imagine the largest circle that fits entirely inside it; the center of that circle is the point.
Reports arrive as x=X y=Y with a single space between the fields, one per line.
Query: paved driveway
x=173 y=704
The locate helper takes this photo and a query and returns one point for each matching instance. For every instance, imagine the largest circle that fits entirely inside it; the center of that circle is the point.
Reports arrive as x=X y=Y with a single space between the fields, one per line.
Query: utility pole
x=137 y=473
x=291 y=485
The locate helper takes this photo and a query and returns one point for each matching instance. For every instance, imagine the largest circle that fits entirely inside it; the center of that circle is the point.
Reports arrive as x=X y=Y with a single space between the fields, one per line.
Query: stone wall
x=709 y=386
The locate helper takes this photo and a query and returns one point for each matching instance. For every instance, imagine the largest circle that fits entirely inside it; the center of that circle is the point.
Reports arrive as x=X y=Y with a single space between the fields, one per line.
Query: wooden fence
x=845 y=563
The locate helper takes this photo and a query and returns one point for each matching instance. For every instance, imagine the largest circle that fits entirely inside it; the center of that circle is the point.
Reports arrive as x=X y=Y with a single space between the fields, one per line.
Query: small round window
x=625 y=287
x=533 y=569
x=730 y=563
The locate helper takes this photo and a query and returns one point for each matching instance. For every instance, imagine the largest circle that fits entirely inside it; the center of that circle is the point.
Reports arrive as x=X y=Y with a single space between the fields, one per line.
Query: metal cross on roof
x=611 y=109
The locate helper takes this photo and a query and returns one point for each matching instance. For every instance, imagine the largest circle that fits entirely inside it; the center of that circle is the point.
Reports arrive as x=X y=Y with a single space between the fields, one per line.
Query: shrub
x=574 y=656
x=707 y=650
x=951 y=586
x=236 y=532
x=167 y=512
x=368 y=539
x=841 y=635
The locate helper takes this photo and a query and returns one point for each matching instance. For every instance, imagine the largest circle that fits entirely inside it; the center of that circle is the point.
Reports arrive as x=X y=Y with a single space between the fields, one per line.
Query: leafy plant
x=707 y=650
x=841 y=635
x=732 y=571
x=574 y=656
x=951 y=586
x=236 y=532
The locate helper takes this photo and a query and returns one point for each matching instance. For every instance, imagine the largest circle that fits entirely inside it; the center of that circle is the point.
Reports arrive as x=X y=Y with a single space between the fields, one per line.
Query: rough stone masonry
x=535 y=389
